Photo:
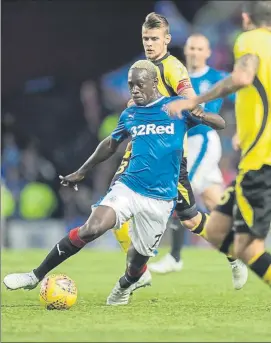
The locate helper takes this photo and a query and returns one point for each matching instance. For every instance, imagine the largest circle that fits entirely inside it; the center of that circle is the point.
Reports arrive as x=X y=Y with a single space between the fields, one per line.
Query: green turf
x=197 y=304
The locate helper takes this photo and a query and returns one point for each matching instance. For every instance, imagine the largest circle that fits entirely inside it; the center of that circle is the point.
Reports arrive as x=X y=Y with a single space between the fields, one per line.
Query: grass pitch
x=197 y=304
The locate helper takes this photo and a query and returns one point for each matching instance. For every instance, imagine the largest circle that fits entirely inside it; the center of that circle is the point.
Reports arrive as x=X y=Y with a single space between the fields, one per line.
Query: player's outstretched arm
x=243 y=74
x=103 y=151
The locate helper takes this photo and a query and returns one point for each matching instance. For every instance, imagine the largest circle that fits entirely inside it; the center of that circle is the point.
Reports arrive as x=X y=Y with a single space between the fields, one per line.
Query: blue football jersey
x=202 y=83
x=157 y=147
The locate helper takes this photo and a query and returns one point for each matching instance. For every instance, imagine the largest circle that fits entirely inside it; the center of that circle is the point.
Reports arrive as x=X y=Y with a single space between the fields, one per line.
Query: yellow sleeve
x=244 y=44
x=176 y=76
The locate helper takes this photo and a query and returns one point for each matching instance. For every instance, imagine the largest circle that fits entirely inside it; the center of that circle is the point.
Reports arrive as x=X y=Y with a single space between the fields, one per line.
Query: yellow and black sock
x=200 y=228
x=260 y=264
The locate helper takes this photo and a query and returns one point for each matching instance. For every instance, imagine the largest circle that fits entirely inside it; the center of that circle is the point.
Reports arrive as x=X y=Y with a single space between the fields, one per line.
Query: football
x=58 y=292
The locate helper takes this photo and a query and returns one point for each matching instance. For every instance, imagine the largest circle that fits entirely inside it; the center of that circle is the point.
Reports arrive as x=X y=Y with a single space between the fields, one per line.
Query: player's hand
x=235 y=142
x=198 y=112
x=175 y=108
x=71 y=180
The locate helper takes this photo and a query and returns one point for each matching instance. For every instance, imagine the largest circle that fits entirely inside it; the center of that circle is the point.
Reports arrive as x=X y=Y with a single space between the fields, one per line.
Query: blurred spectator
x=15 y=183
x=92 y=107
x=35 y=166
x=11 y=155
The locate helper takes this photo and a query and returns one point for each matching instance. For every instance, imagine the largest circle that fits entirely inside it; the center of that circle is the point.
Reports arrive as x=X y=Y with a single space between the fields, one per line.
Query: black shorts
x=248 y=201
x=186 y=207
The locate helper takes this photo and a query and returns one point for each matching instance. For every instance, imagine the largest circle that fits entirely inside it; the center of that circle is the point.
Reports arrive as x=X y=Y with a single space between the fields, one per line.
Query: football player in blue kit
x=144 y=193
x=204 y=143
x=204 y=154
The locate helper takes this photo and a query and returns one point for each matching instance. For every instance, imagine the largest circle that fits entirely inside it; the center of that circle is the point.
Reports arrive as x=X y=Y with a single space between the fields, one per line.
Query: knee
x=92 y=229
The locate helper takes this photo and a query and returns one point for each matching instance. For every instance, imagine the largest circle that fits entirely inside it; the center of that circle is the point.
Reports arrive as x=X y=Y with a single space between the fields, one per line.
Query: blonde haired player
x=248 y=200
x=173 y=79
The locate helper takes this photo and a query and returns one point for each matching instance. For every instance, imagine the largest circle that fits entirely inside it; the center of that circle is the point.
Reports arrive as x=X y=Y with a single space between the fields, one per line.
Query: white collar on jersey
x=154 y=102
x=200 y=73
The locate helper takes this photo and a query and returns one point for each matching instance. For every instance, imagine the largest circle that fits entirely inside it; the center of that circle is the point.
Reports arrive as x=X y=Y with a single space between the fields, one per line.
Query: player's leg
x=112 y=209
x=252 y=251
x=206 y=178
x=123 y=237
x=211 y=197
x=149 y=219
x=185 y=209
x=219 y=233
x=177 y=240
x=135 y=268
x=102 y=219
x=252 y=220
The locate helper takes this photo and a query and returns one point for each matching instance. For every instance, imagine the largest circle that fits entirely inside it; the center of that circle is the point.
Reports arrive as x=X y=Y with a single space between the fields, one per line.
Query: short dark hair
x=259 y=11
x=156 y=21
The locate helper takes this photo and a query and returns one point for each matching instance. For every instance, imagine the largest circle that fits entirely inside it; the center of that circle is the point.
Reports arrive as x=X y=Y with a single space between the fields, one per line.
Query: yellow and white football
x=58 y=292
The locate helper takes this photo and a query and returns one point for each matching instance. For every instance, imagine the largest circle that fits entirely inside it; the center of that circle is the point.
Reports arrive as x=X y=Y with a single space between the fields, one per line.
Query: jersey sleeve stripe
x=260 y=88
x=162 y=73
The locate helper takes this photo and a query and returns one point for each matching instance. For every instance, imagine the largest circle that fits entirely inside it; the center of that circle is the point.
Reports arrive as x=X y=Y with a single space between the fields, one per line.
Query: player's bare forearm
x=220 y=90
x=215 y=121
x=103 y=151
x=188 y=93
x=244 y=72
